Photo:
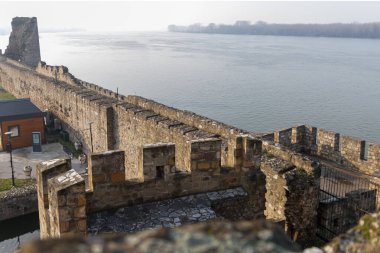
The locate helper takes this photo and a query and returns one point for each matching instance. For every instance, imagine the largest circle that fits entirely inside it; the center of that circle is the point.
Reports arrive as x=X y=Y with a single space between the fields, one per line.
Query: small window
x=336 y=222
x=338 y=142
x=364 y=150
x=15 y=130
x=314 y=133
x=160 y=172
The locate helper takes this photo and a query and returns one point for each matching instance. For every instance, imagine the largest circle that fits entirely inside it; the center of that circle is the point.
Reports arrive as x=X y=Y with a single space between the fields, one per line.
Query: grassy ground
x=5 y=95
x=6 y=183
x=68 y=146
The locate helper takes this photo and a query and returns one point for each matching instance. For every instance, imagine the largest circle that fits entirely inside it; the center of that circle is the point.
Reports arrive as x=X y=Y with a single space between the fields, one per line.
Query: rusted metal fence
x=345 y=196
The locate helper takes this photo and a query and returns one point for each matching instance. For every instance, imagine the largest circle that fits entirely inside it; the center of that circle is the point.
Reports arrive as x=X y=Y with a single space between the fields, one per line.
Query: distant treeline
x=352 y=30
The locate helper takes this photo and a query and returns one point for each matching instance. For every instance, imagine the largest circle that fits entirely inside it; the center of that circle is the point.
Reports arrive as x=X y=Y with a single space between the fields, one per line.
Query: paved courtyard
x=167 y=213
x=24 y=156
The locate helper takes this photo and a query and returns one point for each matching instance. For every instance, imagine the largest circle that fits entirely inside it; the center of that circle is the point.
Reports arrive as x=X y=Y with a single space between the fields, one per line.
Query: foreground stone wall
x=218 y=237
x=109 y=189
x=250 y=207
x=67 y=205
x=44 y=172
x=257 y=236
x=364 y=238
x=296 y=199
x=61 y=199
x=64 y=202
x=292 y=195
x=344 y=150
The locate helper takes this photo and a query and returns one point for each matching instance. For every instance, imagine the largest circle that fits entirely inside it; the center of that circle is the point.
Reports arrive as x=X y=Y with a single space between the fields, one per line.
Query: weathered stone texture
x=255 y=237
x=276 y=194
x=109 y=188
x=205 y=155
x=346 y=151
x=75 y=106
x=228 y=134
x=125 y=123
x=292 y=193
x=59 y=73
x=18 y=201
x=158 y=161
x=364 y=238
x=137 y=126
x=67 y=205
x=44 y=172
x=250 y=207
x=236 y=145
x=24 y=43
x=105 y=169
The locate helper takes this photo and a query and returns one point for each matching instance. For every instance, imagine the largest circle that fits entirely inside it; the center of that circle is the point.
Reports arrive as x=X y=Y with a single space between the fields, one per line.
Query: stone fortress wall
x=145 y=151
x=126 y=123
x=75 y=106
x=62 y=191
x=346 y=151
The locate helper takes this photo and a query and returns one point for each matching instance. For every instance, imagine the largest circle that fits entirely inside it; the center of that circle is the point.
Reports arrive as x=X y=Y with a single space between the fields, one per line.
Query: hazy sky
x=118 y=16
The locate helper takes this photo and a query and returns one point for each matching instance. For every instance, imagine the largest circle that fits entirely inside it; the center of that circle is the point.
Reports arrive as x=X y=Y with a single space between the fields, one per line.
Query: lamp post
x=10 y=153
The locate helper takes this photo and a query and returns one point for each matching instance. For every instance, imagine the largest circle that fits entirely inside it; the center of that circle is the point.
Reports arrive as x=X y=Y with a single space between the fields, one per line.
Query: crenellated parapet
x=270 y=187
x=58 y=73
x=343 y=150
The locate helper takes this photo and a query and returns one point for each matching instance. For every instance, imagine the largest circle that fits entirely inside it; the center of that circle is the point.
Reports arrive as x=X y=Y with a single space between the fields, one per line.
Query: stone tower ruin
x=24 y=43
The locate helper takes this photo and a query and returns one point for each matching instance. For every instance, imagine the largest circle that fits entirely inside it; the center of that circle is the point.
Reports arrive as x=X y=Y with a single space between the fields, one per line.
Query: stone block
x=81 y=200
x=82 y=225
x=99 y=179
x=80 y=212
x=118 y=177
x=64 y=226
x=203 y=165
x=215 y=164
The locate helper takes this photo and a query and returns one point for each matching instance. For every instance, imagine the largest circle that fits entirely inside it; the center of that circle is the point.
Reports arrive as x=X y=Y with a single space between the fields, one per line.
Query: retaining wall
x=18 y=202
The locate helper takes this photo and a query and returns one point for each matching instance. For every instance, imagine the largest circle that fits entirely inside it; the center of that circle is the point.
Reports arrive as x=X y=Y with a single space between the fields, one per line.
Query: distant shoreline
x=336 y=30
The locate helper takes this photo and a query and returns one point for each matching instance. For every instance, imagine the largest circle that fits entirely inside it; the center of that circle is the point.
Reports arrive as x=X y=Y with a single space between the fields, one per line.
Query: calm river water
x=258 y=83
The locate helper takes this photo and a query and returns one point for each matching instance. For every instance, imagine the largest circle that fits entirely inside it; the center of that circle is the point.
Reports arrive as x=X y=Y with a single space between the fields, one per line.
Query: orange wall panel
x=26 y=127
